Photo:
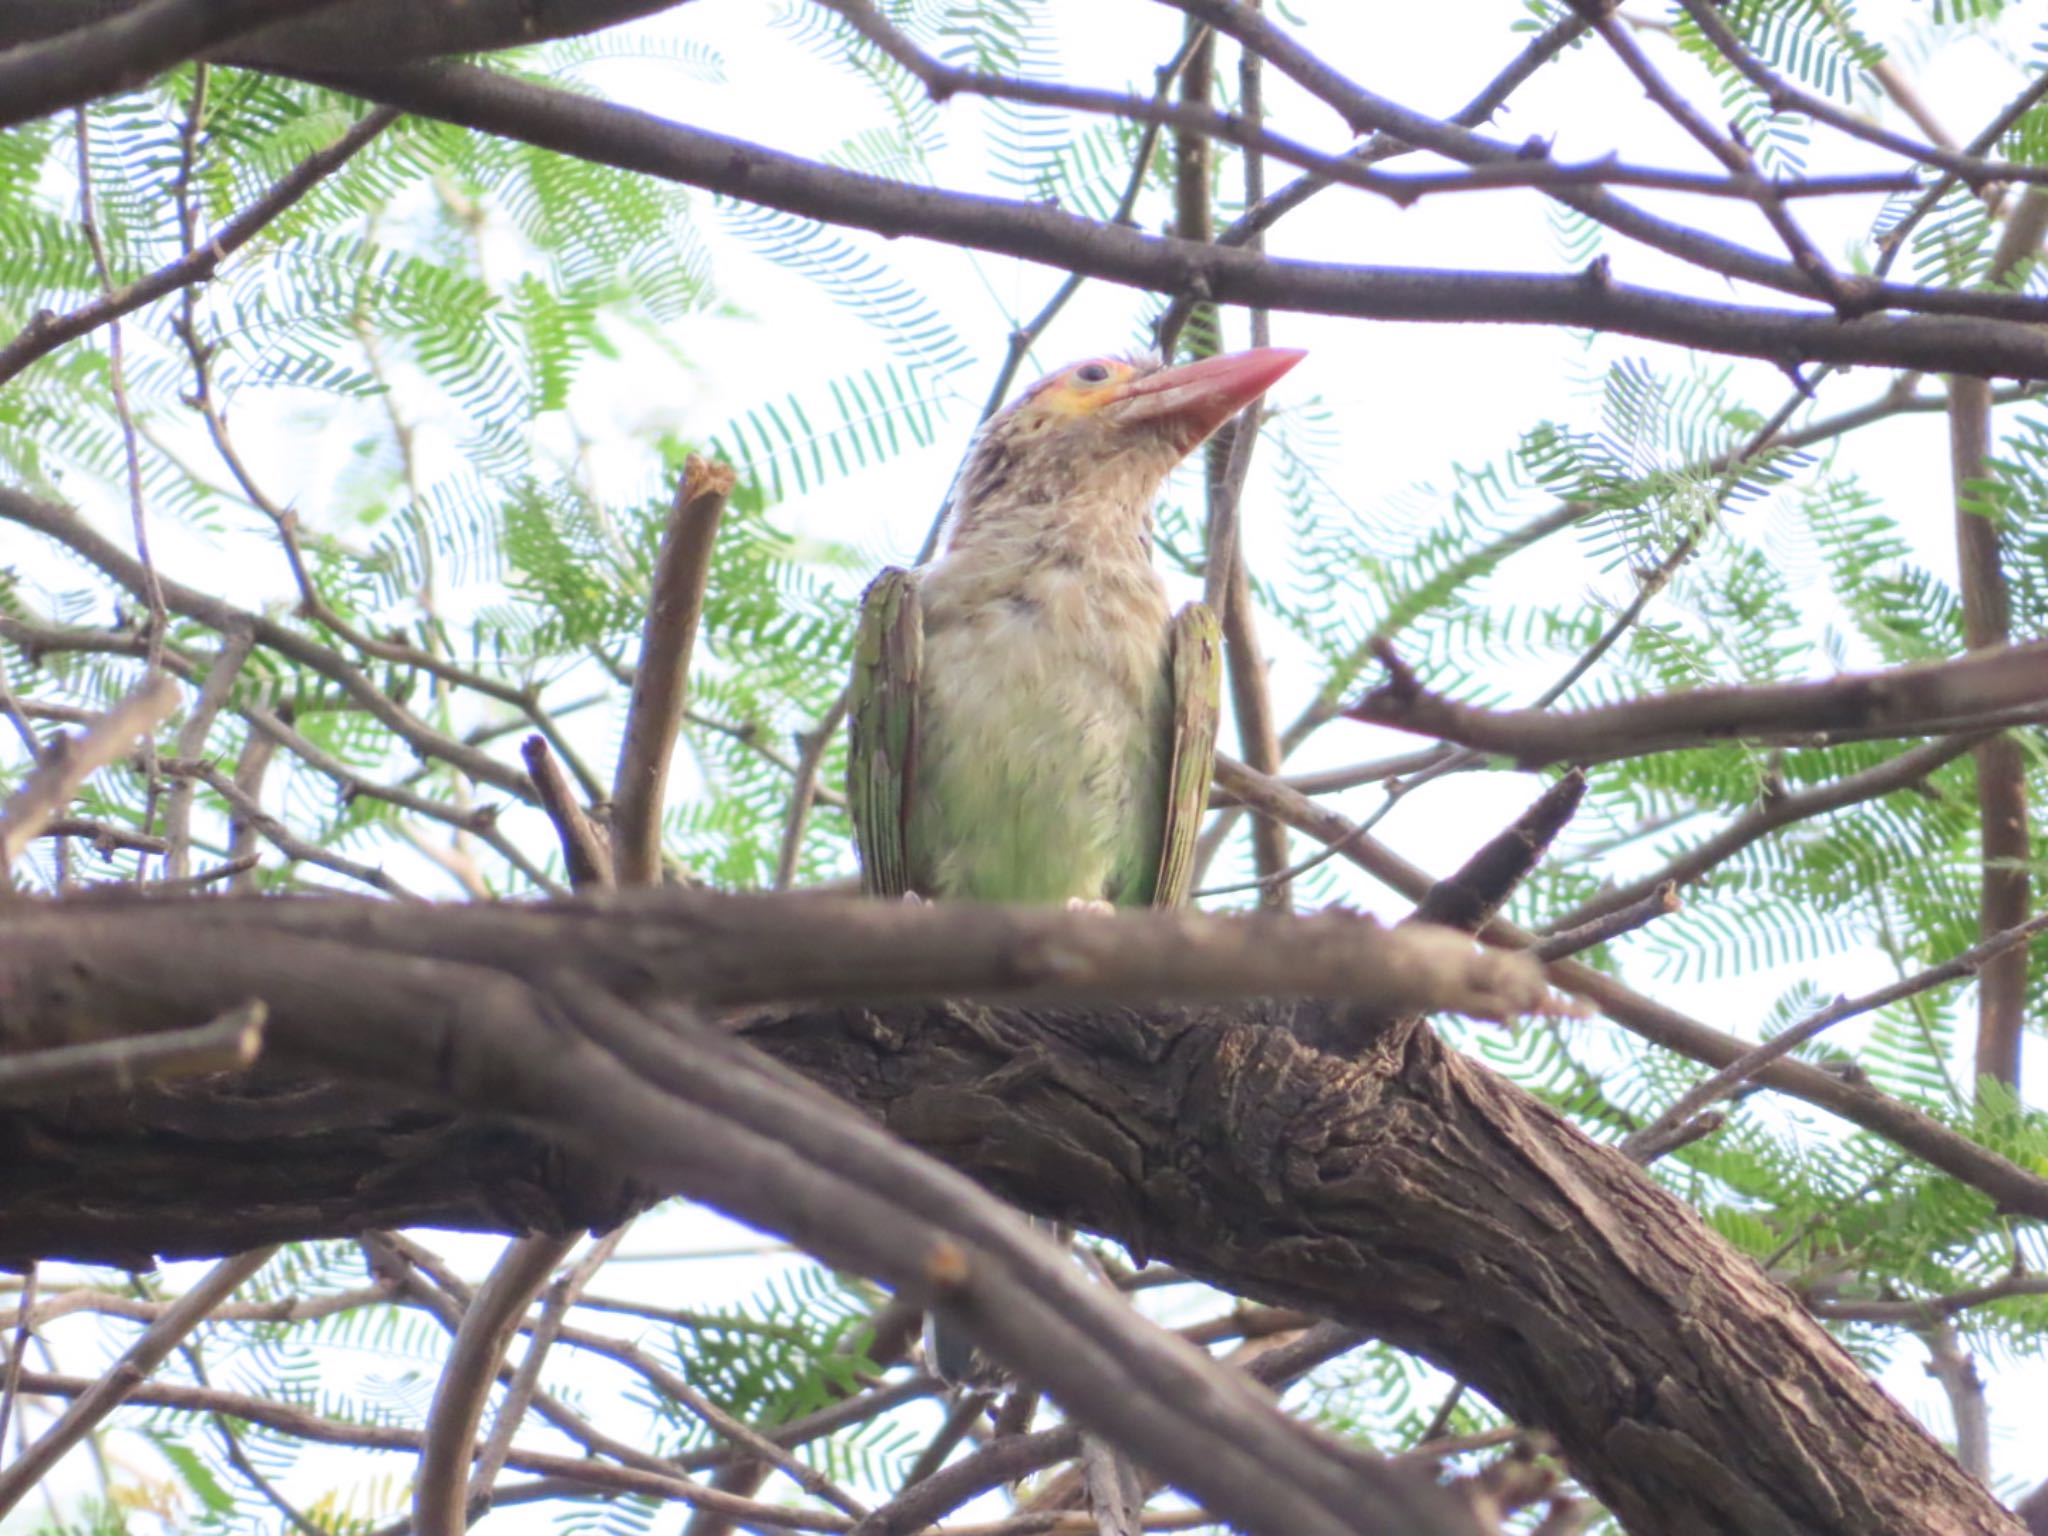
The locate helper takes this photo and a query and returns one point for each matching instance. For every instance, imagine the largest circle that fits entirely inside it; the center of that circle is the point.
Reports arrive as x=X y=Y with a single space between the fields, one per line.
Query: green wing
x=881 y=772
x=1197 y=700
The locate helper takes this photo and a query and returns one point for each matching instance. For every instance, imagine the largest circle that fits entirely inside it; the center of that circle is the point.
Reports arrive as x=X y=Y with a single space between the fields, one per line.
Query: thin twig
x=1847 y=299
x=813 y=745
x=541 y=1335
x=17 y=1351
x=191 y=743
x=579 y=1473
x=1662 y=901
x=128 y=1373
x=70 y=760
x=1971 y=961
x=287 y=842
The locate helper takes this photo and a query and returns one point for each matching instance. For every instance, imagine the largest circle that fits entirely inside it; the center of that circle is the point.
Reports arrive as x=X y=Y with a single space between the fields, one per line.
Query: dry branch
x=71 y=760
x=2012 y=1186
x=230 y=1043
x=661 y=680
x=440 y=1502
x=1321 y=1157
x=585 y=852
x=1972 y=692
x=123 y=51
x=89 y=1407
x=1996 y=334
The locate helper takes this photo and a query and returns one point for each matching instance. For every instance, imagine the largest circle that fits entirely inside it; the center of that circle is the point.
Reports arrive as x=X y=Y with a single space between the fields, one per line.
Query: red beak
x=1196 y=398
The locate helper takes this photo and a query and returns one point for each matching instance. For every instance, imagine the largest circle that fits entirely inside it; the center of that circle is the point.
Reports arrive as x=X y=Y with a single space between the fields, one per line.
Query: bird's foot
x=1084 y=904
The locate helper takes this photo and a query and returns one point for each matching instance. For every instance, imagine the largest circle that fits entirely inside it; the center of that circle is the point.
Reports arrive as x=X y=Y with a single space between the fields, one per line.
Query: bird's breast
x=1045 y=721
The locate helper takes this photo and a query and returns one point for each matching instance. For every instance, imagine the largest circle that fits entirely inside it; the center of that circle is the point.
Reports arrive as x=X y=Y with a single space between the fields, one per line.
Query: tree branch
x=89 y=1407
x=125 y=50
x=71 y=760
x=636 y=141
x=1971 y=693
x=661 y=679
x=1955 y=1154
x=1323 y=1157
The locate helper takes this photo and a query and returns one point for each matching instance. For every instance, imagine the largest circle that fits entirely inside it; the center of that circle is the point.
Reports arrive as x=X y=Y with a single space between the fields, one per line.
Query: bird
x=1029 y=720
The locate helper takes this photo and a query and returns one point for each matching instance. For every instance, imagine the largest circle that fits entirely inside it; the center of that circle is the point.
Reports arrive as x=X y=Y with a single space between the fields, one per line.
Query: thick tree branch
x=122 y=51
x=1592 y=1305
x=684 y=1103
x=365 y=33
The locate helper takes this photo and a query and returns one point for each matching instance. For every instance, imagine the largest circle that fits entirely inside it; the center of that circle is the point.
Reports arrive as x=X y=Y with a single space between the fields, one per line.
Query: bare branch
x=251 y=814
x=1964 y=1388
x=122 y=52
x=814 y=743
x=1900 y=1124
x=585 y=852
x=46 y=332
x=440 y=1489
x=661 y=679
x=1468 y=899
x=2005 y=834
x=230 y=1043
x=71 y=760
x=1973 y=692
x=89 y=1407
x=1957 y=332
x=579 y=1473
x=1776 y=808
x=1972 y=961
x=191 y=743
x=1661 y=901
x=67 y=528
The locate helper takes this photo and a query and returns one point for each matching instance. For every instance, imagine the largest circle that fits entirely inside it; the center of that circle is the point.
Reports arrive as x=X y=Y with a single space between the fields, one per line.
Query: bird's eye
x=1093 y=373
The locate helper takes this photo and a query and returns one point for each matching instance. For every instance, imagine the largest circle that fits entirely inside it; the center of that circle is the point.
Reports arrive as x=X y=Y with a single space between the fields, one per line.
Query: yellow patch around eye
x=1069 y=395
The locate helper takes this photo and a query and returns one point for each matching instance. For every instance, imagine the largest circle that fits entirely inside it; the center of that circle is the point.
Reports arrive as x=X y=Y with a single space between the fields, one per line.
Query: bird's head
x=1107 y=431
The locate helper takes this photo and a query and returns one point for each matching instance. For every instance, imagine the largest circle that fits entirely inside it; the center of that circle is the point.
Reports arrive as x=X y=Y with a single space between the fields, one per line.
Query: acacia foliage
x=396 y=366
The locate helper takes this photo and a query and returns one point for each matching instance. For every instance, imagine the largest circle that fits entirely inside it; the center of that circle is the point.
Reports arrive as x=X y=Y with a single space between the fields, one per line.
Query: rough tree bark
x=1305 y=1154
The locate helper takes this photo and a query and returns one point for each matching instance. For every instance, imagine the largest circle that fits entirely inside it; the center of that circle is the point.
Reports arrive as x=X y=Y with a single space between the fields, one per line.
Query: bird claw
x=1084 y=904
